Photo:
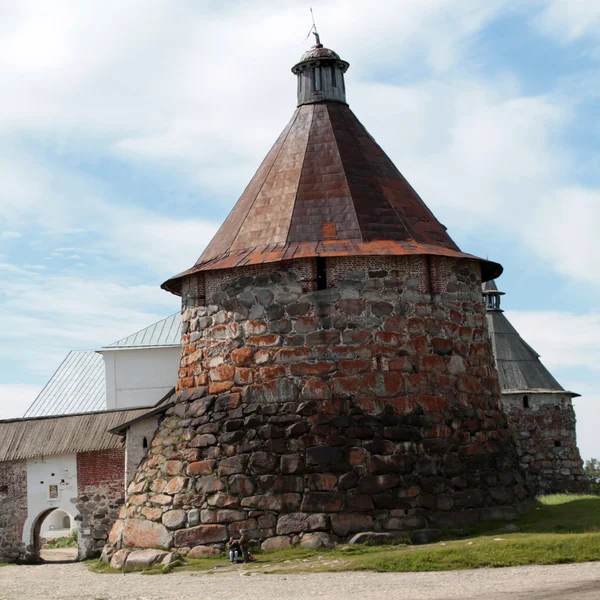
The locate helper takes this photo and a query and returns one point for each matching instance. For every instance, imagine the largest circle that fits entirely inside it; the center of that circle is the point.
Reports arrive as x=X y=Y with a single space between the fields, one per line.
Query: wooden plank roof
x=66 y=434
x=519 y=367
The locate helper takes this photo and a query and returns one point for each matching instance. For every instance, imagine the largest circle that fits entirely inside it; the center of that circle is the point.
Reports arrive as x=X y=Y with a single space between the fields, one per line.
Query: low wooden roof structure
x=62 y=434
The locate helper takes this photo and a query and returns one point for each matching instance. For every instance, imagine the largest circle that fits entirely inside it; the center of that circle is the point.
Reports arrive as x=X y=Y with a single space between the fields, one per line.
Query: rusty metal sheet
x=225 y=237
x=326 y=188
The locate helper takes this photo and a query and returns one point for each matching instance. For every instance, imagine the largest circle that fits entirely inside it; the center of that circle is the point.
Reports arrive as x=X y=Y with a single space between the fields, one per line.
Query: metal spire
x=314 y=31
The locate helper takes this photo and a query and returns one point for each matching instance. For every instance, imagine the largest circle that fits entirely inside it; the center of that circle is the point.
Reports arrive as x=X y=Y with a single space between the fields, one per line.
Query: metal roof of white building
x=78 y=385
x=166 y=332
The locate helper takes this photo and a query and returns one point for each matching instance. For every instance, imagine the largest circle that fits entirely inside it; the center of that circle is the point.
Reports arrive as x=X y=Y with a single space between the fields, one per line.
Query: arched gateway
x=336 y=373
x=68 y=463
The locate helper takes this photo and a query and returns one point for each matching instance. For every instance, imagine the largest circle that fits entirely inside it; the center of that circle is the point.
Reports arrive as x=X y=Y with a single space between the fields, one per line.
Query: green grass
x=563 y=513
x=558 y=529
x=484 y=552
x=63 y=542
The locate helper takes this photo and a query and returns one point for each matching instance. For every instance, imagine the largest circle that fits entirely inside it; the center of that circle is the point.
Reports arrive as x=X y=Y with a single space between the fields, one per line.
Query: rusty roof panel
x=326 y=180
x=225 y=237
x=269 y=218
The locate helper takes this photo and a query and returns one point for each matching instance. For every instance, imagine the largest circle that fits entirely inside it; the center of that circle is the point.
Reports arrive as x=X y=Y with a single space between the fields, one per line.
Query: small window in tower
x=557 y=443
x=317 y=79
x=525 y=401
x=321 y=273
x=145 y=443
x=333 y=78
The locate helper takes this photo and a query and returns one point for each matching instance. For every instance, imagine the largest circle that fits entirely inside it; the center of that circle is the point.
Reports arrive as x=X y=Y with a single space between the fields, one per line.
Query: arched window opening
x=145 y=443
x=525 y=401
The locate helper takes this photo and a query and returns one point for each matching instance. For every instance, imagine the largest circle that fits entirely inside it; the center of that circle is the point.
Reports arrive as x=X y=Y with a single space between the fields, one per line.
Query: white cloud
x=587 y=411
x=45 y=316
x=570 y=20
x=10 y=235
x=566 y=231
x=562 y=339
x=16 y=399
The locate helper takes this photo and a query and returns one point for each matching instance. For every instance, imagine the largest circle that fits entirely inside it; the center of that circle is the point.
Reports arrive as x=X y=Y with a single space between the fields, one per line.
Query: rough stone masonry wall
x=546 y=441
x=13 y=510
x=371 y=405
x=100 y=477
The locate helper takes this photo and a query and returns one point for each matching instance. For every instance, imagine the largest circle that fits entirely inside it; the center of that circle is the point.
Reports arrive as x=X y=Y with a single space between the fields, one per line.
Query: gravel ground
x=59 y=555
x=74 y=582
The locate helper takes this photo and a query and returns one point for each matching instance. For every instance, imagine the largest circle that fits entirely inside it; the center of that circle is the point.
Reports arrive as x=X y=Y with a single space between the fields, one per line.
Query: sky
x=129 y=129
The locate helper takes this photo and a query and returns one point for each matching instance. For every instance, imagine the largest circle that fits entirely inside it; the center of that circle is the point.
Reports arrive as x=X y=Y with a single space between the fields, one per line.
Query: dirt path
x=74 y=582
x=59 y=555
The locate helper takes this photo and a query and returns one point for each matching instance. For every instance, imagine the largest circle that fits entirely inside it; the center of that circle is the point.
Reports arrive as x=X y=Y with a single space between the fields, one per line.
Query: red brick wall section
x=100 y=477
x=13 y=510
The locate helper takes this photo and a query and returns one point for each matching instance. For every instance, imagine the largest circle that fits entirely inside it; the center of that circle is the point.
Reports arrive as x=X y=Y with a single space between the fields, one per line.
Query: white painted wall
x=134 y=445
x=139 y=377
x=41 y=474
x=57 y=521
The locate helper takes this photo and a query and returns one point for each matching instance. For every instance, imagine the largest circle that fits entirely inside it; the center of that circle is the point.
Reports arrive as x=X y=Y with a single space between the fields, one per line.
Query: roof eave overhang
x=326 y=249
x=123 y=348
x=122 y=429
x=513 y=392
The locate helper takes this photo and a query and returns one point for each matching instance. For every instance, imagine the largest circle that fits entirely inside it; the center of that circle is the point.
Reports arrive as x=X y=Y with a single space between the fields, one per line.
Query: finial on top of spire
x=314 y=31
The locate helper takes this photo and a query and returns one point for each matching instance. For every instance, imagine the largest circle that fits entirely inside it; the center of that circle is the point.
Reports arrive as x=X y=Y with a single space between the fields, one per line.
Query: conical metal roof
x=326 y=188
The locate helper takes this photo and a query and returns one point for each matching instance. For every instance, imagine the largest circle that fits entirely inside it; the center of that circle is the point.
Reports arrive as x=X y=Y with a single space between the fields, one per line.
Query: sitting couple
x=239 y=548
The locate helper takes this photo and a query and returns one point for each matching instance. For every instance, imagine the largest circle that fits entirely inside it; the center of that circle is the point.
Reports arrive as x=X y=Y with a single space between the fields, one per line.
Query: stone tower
x=336 y=373
x=538 y=406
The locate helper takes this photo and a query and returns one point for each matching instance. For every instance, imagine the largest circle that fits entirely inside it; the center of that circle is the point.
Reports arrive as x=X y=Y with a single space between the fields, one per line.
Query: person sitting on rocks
x=235 y=549
x=244 y=545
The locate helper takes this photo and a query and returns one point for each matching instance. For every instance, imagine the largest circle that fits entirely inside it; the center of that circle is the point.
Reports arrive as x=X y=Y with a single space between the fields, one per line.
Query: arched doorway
x=54 y=537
